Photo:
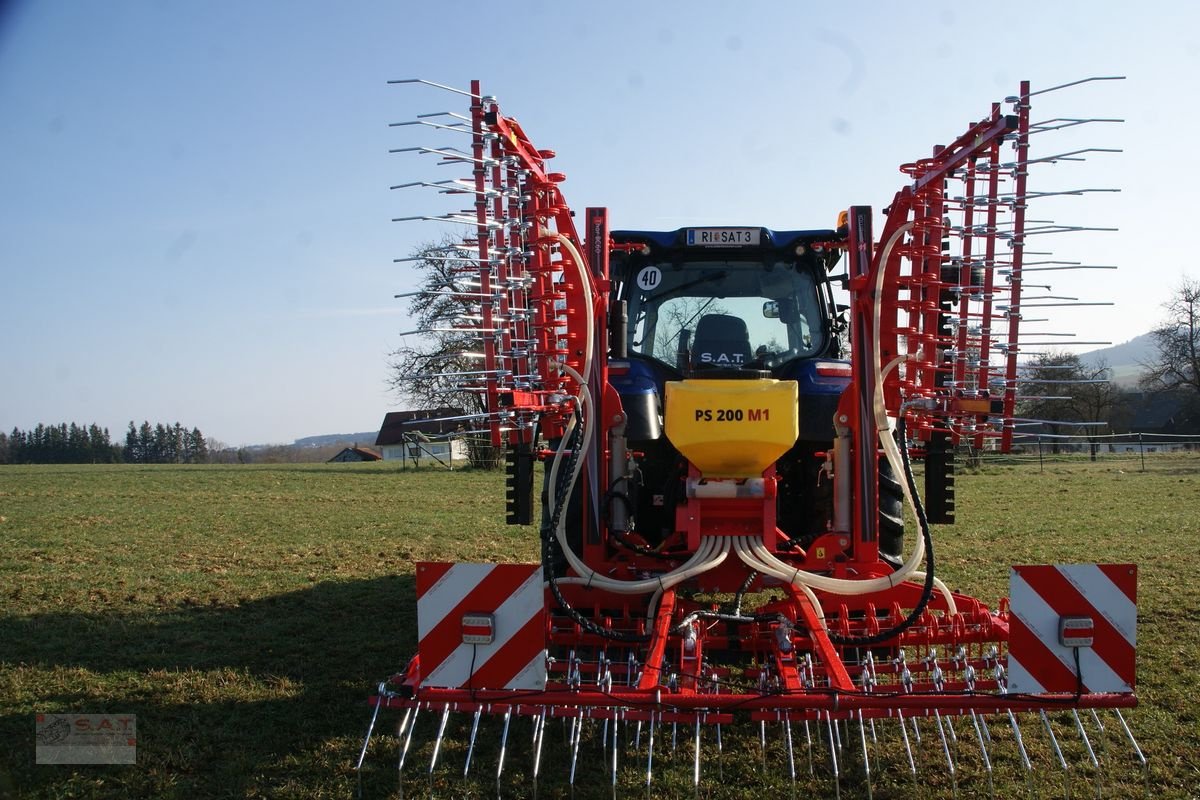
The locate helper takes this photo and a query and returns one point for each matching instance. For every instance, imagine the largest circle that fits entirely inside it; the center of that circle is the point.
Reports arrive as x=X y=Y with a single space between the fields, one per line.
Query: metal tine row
x=609 y=742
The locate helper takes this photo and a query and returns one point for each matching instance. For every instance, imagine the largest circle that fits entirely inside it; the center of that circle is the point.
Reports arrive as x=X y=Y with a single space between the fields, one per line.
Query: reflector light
x=478 y=629
x=1076 y=631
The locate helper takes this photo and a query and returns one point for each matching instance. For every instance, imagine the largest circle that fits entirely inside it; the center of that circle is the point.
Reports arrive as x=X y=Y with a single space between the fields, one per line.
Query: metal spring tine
x=809 y=744
x=1087 y=744
x=471 y=746
x=1062 y=761
x=762 y=742
x=616 y=731
x=912 y=764
x=674 y=735
x=575 y=747
x=696 y=757
x=437 y=745
x=424 y=82
x=874 y=741
x=408 y=739
x=650 y=753
x=637 y=736
x=1029 y=784
x=539 y=734
x=1136 y=750
x=371 y=728
x=787 y=728
x=862 y=733
x=937 y=715
x=837 y=728
x=987 y=760
x=1101 y=743
x=503 y=744
x=837 y=778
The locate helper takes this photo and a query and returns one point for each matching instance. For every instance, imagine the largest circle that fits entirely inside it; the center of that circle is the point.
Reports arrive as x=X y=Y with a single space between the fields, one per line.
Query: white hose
x=744 y=547
x=883 y=423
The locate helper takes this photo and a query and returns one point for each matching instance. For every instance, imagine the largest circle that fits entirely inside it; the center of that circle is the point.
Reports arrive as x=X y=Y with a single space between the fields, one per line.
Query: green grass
x=244 y=613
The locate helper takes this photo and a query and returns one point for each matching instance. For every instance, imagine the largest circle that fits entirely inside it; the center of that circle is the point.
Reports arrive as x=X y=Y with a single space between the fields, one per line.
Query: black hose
x=562 y=496
x=927 y=589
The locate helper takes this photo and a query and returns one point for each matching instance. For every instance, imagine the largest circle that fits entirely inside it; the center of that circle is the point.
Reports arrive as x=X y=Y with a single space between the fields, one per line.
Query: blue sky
x=194 y=203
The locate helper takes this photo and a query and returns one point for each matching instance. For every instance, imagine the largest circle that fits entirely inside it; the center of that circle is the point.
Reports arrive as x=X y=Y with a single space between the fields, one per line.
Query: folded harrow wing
x=725 y=453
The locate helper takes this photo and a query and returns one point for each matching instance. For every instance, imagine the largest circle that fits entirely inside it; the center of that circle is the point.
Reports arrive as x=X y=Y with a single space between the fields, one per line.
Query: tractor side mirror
x=771 y=309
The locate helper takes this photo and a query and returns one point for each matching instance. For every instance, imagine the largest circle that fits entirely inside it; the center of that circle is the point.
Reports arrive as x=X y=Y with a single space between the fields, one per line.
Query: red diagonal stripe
x=1037 y=659
x=487 y=595
x=429 y=573
x=1061 y=595
x=514 y=656
x=1124 y=577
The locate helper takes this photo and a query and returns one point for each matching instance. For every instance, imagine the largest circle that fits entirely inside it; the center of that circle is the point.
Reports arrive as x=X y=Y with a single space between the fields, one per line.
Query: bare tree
x=1176 y=364
x=1059 y=387
x=432 y=371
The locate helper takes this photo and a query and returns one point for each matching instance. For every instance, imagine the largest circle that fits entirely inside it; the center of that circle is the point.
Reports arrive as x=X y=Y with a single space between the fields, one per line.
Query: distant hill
x=1125 y=360
x=366 y=438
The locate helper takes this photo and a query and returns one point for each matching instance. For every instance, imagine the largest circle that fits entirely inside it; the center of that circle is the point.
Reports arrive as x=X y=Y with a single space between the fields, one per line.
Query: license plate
x=722 y=237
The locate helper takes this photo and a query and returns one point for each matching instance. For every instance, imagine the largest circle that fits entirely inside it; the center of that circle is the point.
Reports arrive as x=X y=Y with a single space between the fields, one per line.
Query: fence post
x=1142 y=451
x=1041 y=465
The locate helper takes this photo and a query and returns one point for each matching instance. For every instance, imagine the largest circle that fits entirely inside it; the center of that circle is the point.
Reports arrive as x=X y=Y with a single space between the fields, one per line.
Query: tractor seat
x=721 y=341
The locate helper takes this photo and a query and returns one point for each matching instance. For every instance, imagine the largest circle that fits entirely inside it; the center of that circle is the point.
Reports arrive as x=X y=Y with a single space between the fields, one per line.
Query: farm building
x=427 y=436
x=355 y=453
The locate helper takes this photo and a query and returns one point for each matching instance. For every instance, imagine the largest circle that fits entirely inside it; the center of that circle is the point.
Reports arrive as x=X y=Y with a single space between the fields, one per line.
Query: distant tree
x=430 y=372
x=194 y=448
x=1059 y=387
x=4 y=449
x=1176 y=363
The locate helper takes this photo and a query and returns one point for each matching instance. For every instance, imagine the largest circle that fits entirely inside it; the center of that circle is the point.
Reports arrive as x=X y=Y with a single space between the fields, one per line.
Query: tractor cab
x=706 y=299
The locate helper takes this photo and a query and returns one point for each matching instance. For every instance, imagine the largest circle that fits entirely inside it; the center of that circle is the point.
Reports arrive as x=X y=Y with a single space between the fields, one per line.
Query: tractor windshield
x=702 y=314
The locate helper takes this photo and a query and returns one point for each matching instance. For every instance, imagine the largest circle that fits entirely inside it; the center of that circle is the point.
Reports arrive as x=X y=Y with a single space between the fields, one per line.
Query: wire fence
x=1143 y=452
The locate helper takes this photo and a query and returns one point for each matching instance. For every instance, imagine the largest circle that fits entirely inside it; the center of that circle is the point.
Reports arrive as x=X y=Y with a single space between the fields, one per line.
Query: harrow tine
x=787 y=727
x=762 y=742
x=862 y=733
x=408 y=739
x=650 y=753
x=987 y=760
x=1087 y=744
x=575 y=747
x=503 y=744
x=1101 y=744
x=615 y=731
x=720 y=753
x=837 y=778
x=370 y=729
x=1062 y=761
x=1136 y=750
x=1012 y=719
x=471 y=746
x=946 y=749
x=437 y=745
x=696 y=757
x=912 y=764
x=539 y=736
x=809 y=744
x=874 y=741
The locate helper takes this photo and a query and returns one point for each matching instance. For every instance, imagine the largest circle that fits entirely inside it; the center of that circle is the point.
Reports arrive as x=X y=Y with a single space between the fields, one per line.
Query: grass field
x=244 y=614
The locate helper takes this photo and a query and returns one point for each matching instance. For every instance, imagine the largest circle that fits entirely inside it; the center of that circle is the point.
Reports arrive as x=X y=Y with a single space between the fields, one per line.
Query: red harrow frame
x=632 y=634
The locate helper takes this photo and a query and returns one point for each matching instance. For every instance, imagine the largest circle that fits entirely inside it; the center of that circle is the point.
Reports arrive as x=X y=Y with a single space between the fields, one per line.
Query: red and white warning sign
x=481 y=626
x=1072 y=626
